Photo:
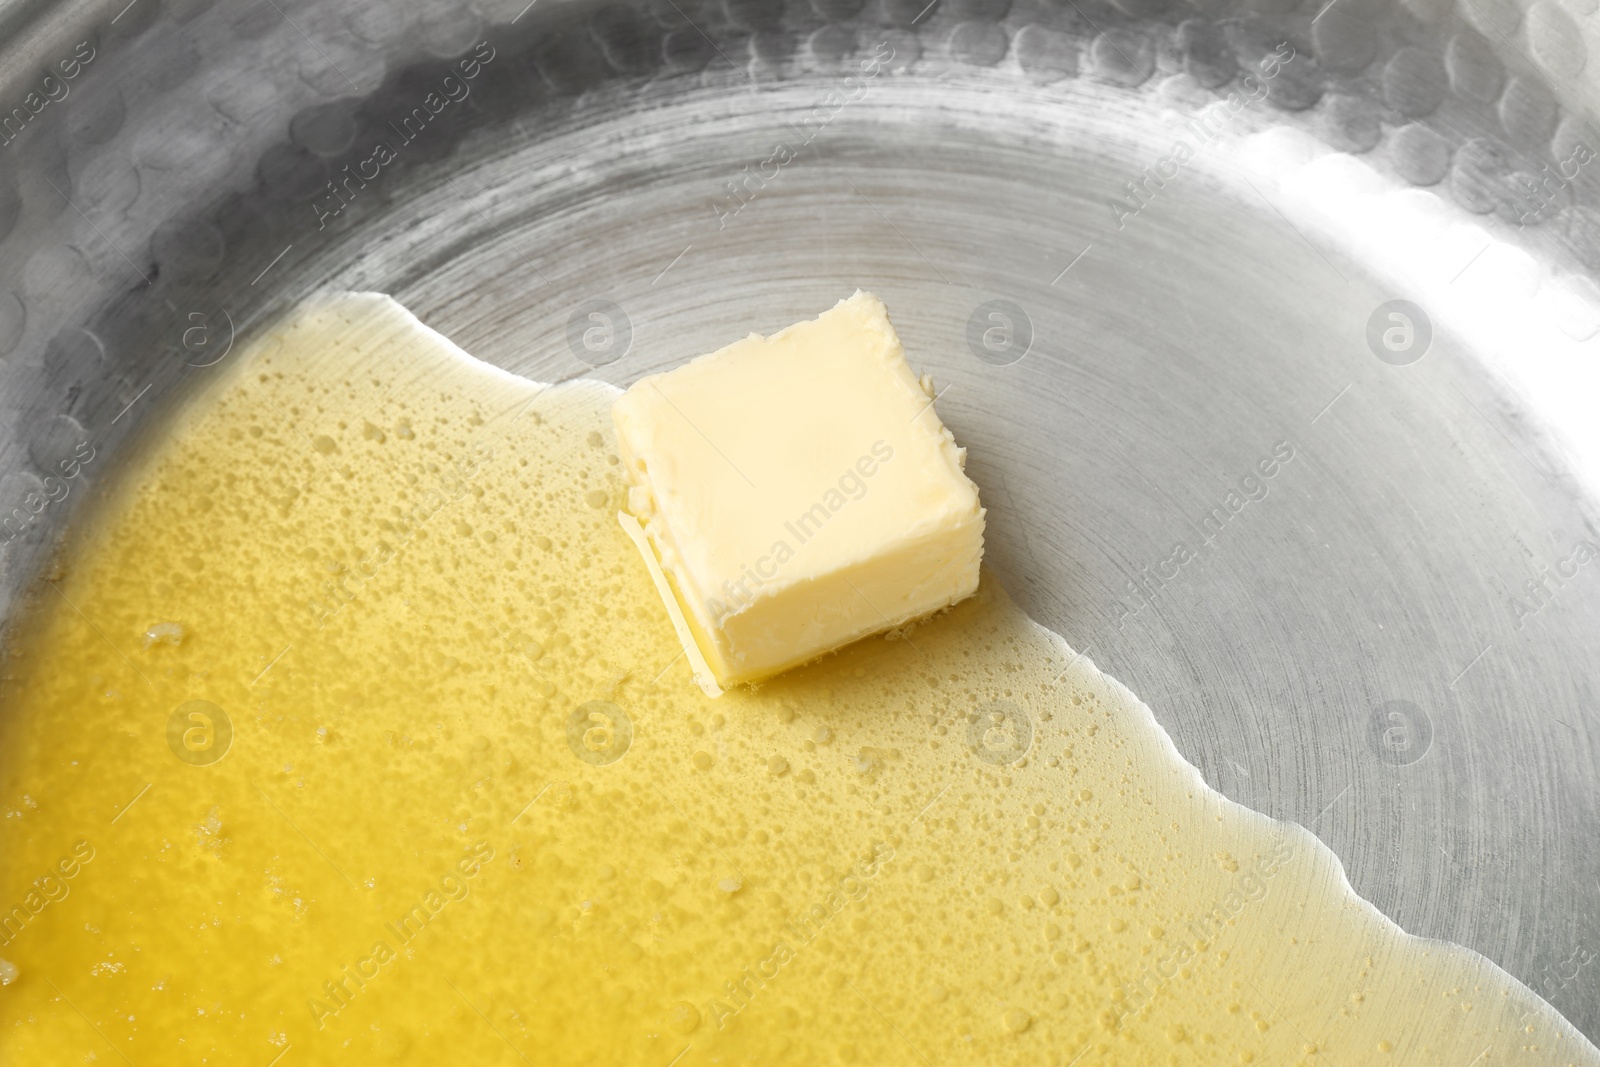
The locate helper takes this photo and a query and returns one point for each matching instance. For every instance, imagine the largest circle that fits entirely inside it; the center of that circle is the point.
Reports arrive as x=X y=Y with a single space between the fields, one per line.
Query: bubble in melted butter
x=474 y=808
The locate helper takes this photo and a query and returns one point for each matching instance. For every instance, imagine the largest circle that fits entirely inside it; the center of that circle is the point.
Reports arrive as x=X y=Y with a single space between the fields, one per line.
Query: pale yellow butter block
x=799 y=492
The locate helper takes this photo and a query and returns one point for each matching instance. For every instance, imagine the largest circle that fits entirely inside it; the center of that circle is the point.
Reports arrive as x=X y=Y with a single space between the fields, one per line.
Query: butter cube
x=798 y=492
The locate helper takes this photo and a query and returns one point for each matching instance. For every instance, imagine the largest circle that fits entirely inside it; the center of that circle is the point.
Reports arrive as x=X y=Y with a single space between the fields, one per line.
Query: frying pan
x=1137 y=254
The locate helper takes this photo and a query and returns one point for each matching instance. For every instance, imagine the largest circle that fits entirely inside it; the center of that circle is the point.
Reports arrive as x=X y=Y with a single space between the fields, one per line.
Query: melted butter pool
x=353 y=731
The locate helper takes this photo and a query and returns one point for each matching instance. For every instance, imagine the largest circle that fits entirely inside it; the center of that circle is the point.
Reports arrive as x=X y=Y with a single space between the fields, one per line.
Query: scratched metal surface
x=1340 y=649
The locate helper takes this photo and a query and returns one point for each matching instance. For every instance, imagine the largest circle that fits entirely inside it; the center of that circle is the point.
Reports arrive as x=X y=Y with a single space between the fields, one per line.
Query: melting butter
x=420 y=776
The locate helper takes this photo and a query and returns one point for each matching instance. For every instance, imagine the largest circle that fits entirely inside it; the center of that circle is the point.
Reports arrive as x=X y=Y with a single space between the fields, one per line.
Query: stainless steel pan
x=1391 y=640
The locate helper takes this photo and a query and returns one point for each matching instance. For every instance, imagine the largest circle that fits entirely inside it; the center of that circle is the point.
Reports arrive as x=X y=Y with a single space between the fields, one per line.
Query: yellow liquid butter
x=471 y=808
